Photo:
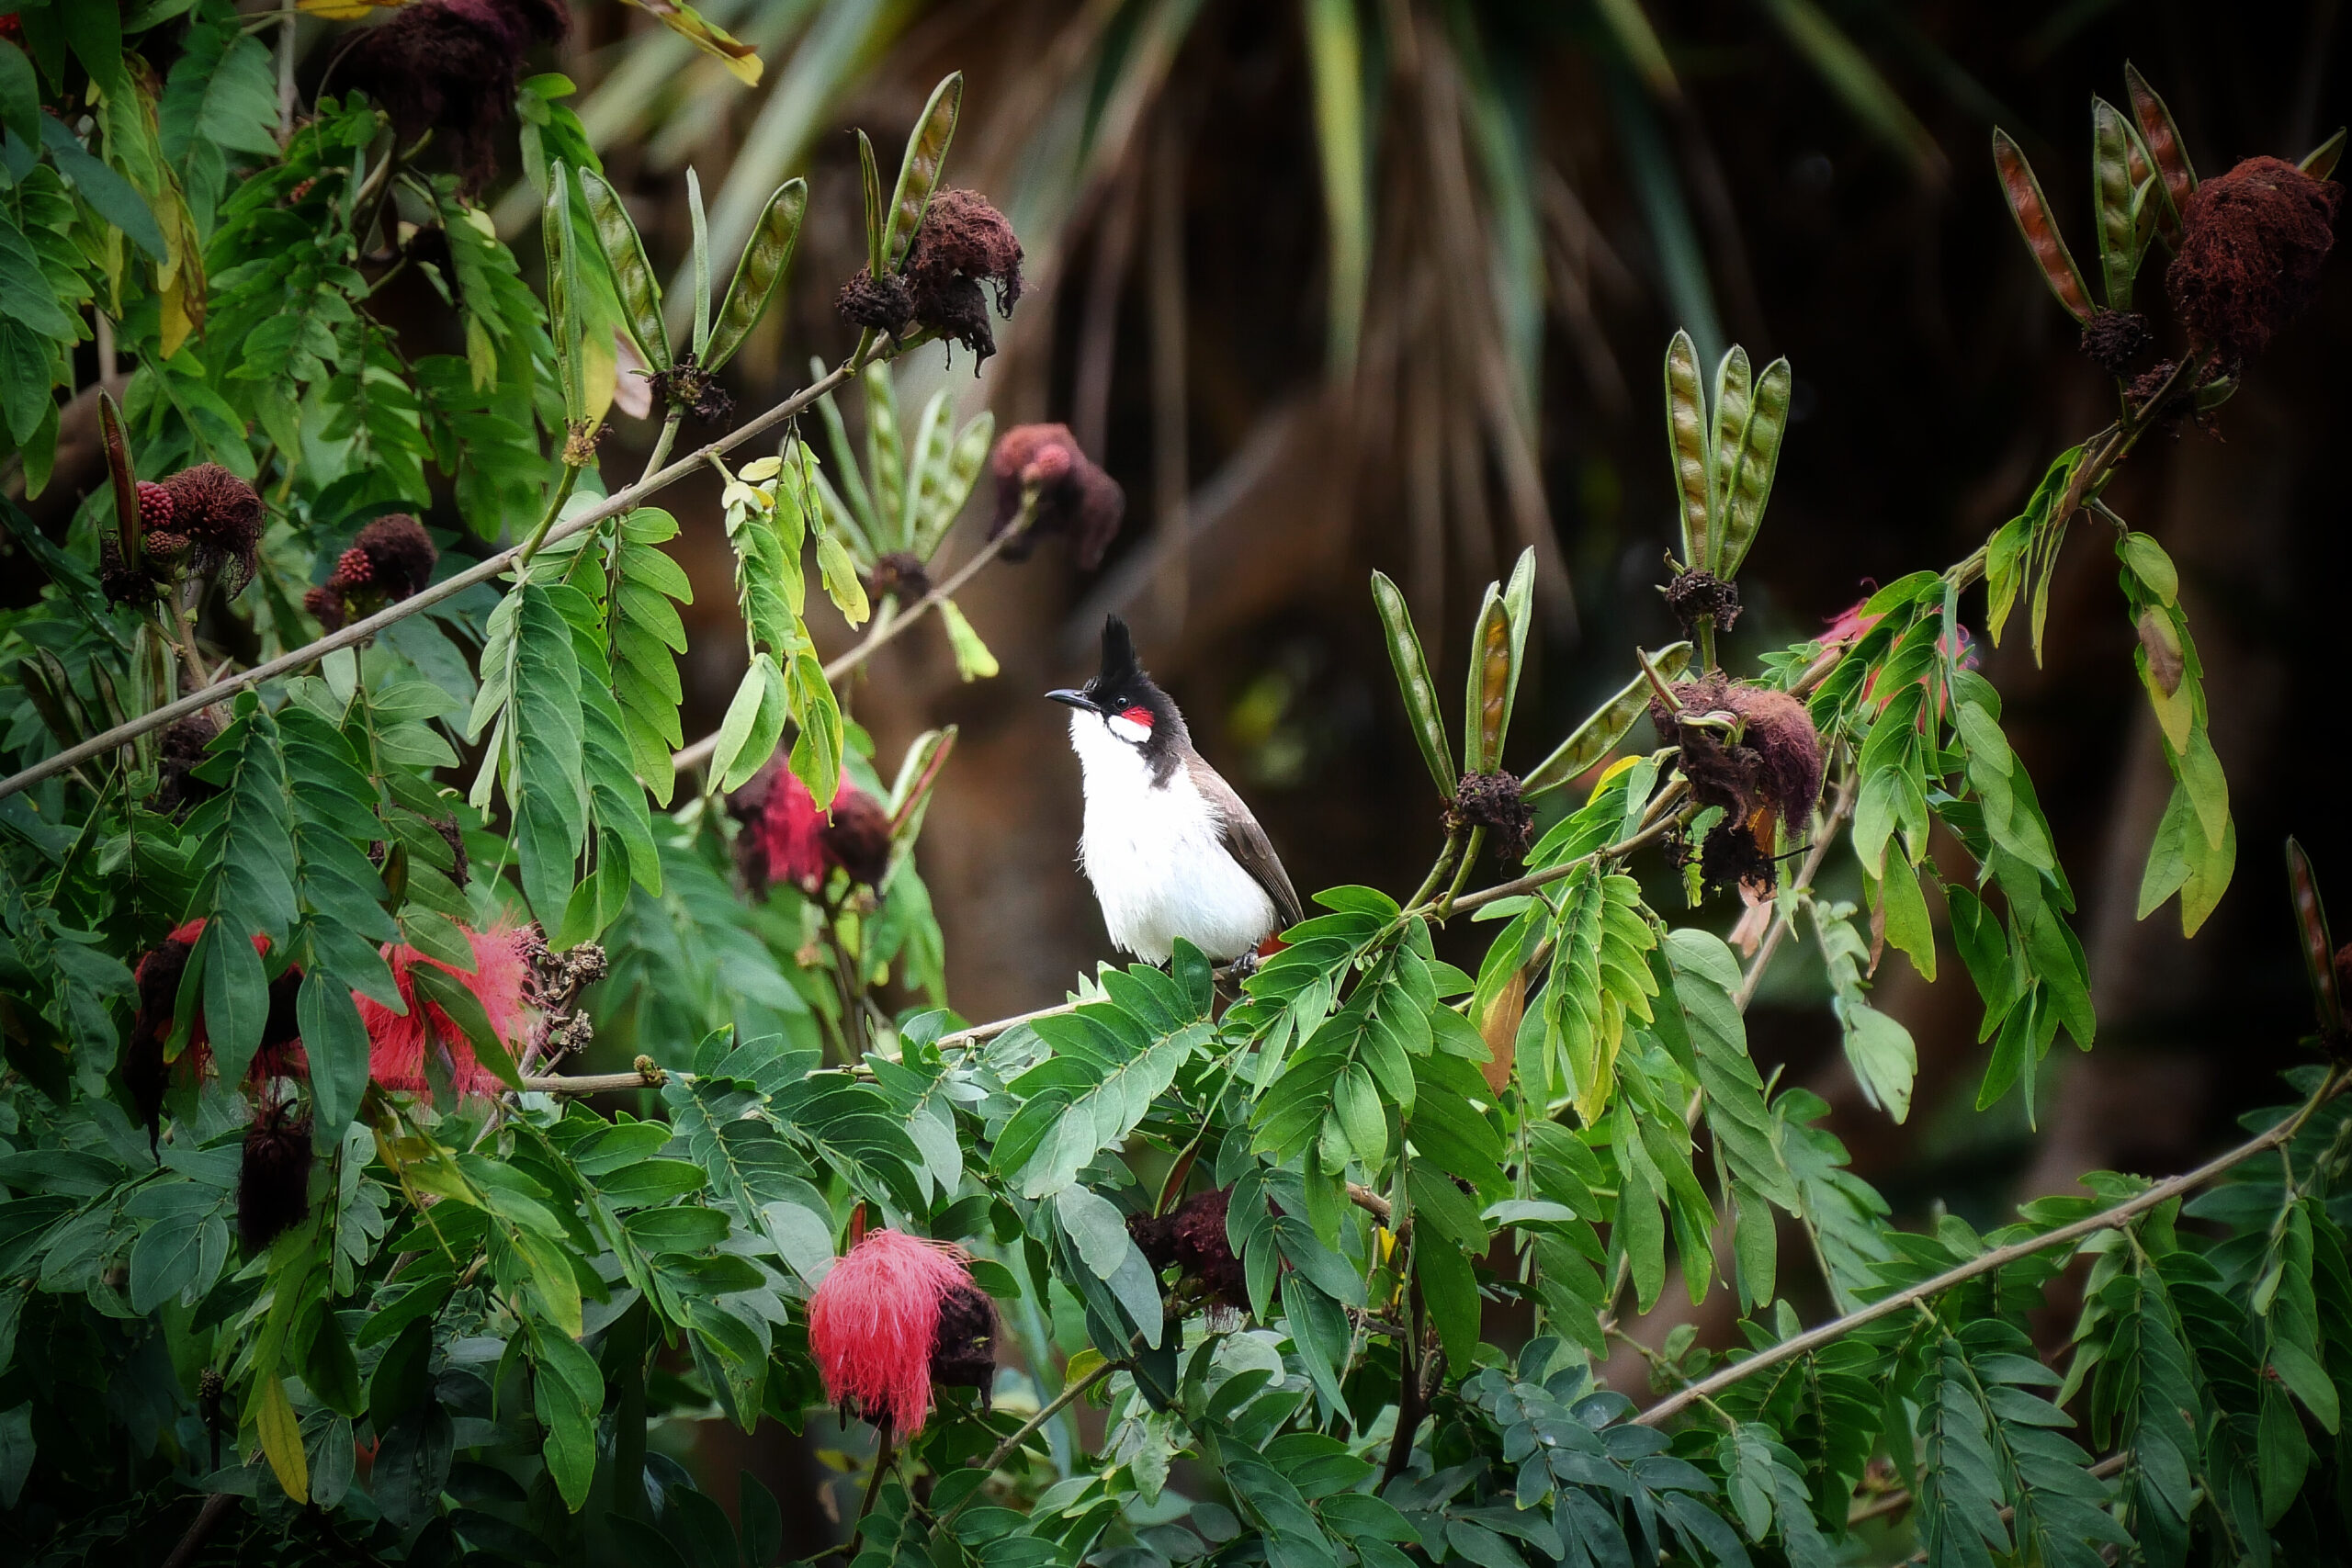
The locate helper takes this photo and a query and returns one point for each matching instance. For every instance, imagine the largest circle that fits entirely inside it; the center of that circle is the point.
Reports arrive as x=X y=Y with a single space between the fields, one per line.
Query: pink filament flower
x=1852 y=625
x=397 y=1043
x=874 y=1319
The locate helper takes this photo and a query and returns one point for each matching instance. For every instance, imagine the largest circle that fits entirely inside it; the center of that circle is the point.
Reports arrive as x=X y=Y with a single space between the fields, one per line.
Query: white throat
x=1155 y=852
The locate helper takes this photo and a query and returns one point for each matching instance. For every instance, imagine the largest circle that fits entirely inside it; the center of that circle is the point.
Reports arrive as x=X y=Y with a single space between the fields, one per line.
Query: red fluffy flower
x=786 y=839
x=874 y=1325
x=1074 y=495
x=1852 y=625
x=397 y=1043
x=158 y=974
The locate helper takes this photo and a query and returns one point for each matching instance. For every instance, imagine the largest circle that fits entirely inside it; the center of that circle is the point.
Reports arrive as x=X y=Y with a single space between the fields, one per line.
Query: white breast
x=1156 y=858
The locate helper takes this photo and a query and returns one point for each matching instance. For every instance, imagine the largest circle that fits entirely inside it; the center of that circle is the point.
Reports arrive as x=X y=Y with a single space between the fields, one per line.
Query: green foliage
x=484 y=1301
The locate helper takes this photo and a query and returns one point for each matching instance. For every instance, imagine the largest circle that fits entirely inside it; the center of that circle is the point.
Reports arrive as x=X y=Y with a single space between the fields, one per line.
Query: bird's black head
x=1126 y=701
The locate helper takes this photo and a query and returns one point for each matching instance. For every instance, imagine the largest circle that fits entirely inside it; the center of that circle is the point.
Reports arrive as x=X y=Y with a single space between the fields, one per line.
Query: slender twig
x=207 y=1519
x=2124 y=1214
x=546 y=519
x=360 y=631
x=1840 y=810
x=885 y=1450
x=1896 y=1501
x=648 y=1077
x=1004 y=1450
x=286 y=97
x=698 y=754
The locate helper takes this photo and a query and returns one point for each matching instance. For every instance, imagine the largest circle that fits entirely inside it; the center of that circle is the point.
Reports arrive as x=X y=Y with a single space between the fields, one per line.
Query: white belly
x=1156 y=862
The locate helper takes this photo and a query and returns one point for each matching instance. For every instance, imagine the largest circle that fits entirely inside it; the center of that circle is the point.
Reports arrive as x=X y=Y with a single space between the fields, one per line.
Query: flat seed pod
x=2031 y=211
x=919 y=170
x=1686 y=441
x=1599 y=735
x=1413 y=683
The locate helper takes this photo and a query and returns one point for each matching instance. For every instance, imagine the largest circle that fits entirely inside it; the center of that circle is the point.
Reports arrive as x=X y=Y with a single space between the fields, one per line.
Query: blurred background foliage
x=1332 y=285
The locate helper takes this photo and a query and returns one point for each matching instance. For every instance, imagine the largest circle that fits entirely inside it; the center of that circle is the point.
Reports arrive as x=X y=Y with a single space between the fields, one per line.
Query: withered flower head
x=392 y=558
x=220 y=518
x=2113 y=339
x=176 y=758
x=1772 y=771
x=900 y=576
x=1192 y=1238
x=452 y=66
x=1697 y=596
x=2252 y=244
x=158 y=974
x=273 y=1180
x=688 y=385
x=858 y=837
x=1492 y=801
x=964 y=242
x=1074 y=496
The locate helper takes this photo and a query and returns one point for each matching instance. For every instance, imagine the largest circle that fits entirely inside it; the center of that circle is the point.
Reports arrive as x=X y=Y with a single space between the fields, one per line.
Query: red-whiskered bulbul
x=1170 y=847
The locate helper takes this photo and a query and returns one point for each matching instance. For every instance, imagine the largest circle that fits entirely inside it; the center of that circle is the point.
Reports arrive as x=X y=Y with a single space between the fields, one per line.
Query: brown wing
x=1244 y=841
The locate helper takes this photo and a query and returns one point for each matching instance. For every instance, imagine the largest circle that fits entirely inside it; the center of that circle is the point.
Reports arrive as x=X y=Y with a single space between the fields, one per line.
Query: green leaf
x=919 y=170
x=838 y=571
x=25 y=292
x=19 y=95
x=1450 y=1290
x=633 y=278
x=281 y=1437
x=973 y=660
x=754 y=722
x=767 y=257
x=1413 y=682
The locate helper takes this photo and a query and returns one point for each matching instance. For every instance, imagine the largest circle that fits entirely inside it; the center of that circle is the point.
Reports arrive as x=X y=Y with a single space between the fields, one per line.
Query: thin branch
x=1004 y=1450
x=1840 y=810
x=207 y=1519
x=647 y=1077
x=2122 y=1214
x=360 y=631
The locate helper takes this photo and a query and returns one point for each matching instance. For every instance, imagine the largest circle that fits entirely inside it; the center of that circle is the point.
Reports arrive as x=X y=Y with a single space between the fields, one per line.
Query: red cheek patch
x=1138 y=714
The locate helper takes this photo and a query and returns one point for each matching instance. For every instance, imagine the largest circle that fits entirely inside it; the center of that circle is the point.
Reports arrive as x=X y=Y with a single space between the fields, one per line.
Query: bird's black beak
x=1075 y=699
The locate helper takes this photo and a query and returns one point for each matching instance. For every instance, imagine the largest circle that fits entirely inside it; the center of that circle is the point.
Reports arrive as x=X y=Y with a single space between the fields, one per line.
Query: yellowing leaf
x=742 y=60
x=840 y=570
x=973 y=660
x=345 y=10
x=281 y=1438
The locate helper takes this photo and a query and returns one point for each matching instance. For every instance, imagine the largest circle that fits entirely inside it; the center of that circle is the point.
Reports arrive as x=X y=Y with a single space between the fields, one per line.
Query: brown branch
x=645 y=1076
x=2122 y=1214
x=481 y=571
x=207 y=1519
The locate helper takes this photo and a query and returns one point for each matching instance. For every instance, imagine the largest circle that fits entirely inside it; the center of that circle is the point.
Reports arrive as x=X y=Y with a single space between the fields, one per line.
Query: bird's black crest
x=1120 y=671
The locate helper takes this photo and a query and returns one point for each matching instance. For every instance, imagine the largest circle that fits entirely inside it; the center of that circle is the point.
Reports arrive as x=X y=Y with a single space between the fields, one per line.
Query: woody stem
x=884 y=1451
x=1004 y=1450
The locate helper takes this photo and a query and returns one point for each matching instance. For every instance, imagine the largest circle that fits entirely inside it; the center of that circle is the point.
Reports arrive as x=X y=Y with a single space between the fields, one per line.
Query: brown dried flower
x=1074 y=496
x=1771 y=769
x=452 y=66
x=2252 y=244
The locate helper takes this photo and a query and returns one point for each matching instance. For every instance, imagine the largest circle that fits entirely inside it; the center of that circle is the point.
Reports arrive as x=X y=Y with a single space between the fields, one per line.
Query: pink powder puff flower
x=891 y=1317
x=397 y=1043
